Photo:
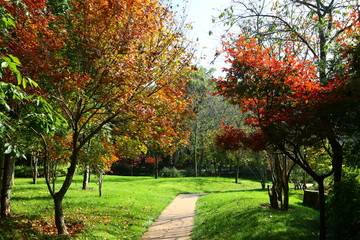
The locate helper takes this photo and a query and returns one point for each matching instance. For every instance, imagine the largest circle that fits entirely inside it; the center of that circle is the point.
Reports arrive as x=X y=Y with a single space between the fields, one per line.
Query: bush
x=209 y=172
x=170 y=172
x=343 y=209
x=26 y=171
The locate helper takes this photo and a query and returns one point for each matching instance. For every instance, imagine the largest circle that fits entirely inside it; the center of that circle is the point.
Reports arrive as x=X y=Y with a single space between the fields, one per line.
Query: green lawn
x=130 y=204
x=245 y=215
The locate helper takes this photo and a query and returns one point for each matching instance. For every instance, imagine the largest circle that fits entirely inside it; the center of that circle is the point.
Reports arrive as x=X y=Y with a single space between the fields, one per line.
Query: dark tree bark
x=337 y=158
x=321 y=205
x=156 y=168
x=237 y=171
x=59 y=215
x=6 y=185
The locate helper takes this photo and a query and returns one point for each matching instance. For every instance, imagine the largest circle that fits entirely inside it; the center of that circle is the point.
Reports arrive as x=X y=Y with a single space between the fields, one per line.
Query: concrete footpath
x=176 y=221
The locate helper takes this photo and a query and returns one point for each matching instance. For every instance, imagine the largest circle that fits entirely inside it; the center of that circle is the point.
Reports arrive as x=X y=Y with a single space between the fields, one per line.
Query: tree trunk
x=13 y=174
x=156 y=168
x=100 y=182
x=322 y=209
x=273 y=197
x=6 y=185
x=286 y=193
x=86 y=177
x=337 y=158
x=34 y=166
x=263 y=176
x=237 y=172
x=304 y=182
x=2 y=159
x=59 y=215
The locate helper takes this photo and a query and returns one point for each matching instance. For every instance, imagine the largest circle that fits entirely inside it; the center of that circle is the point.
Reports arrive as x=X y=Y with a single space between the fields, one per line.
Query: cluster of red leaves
x=234 y=139
x=152 y=159
x=37 y=45
x=282 y=93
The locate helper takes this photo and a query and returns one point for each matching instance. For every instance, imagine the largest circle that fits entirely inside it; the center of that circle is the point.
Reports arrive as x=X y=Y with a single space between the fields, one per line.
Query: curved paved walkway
x=176 y=221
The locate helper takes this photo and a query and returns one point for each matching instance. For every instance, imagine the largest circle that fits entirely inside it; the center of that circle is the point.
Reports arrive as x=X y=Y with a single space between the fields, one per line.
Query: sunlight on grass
x=244 y=216
x=130 y=204
x=128 y=207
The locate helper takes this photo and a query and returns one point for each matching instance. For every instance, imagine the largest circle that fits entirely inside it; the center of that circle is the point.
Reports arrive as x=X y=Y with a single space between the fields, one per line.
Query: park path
x=176 y=221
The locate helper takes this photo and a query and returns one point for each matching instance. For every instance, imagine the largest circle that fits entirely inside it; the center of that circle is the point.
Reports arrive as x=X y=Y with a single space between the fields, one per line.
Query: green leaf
x=9 y=149
x=14 y=59
x=4 y=64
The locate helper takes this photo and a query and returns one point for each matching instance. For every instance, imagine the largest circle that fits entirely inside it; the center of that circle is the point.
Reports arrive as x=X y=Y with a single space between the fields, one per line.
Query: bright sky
x=200 y=14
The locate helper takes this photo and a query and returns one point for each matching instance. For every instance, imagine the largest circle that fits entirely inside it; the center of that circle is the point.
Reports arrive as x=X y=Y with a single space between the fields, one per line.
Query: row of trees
x=294 y=72
x=101 y=73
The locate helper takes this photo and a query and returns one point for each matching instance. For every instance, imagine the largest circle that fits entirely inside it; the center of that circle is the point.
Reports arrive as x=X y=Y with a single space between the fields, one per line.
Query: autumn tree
x=314 y=30
x=18 y=113
x=101 y=61
x=284 y=99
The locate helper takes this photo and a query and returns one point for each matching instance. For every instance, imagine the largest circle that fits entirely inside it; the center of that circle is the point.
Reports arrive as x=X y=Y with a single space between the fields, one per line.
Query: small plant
x=170 y=172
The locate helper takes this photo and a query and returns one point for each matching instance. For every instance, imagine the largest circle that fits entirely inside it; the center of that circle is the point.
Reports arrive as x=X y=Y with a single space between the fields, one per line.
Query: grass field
x=130 y=204
x=245 y=215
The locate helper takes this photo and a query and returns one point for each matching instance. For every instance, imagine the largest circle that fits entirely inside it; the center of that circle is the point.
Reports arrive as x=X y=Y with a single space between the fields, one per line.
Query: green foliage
x=170 y=172
x=244 y=215
x=26 y=171
x=344 y=208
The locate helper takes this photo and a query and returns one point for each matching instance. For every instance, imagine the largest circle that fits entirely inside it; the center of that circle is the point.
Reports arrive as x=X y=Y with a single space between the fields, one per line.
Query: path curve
x=176 y=221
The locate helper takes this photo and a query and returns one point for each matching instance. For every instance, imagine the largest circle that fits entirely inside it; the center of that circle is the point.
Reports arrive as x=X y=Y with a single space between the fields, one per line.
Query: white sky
x=200 y=14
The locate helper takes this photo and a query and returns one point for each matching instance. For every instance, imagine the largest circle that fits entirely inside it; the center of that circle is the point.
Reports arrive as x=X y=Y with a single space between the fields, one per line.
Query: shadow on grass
x=18 y=198
x=21 y=226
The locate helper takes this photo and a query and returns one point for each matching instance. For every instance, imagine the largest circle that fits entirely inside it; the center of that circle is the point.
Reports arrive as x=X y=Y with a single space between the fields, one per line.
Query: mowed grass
x=129 y=205
x=127 y=208
x=245 y=215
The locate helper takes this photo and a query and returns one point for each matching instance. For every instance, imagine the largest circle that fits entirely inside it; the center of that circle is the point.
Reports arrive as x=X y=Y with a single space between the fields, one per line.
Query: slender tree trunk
x=304 y=181
x=2 y=159
x=237 y=171
x=100 y=182
x=34 y=167
x=286 y=193
x=86 y=177
x=59 y=215
x=6 y=185
x=156 y=168
x=58 y=197
x=322 y=209
x=13 y=174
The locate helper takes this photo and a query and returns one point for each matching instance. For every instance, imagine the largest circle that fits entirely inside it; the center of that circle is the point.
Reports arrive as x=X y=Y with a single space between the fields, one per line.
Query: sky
x=200 y=14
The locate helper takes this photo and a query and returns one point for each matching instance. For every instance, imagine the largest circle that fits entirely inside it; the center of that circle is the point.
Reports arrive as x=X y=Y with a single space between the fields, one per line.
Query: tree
x=314 y=30
x=285 y=102
x=100 y=62
x=208 y=112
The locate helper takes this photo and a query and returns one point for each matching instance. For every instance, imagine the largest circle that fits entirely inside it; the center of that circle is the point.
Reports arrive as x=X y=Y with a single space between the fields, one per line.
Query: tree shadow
x=21 y=226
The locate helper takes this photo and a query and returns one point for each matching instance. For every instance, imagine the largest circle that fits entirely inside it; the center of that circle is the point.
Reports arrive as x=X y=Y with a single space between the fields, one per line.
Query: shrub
x=170 y=172
x=343 y=209
x=26 y=171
